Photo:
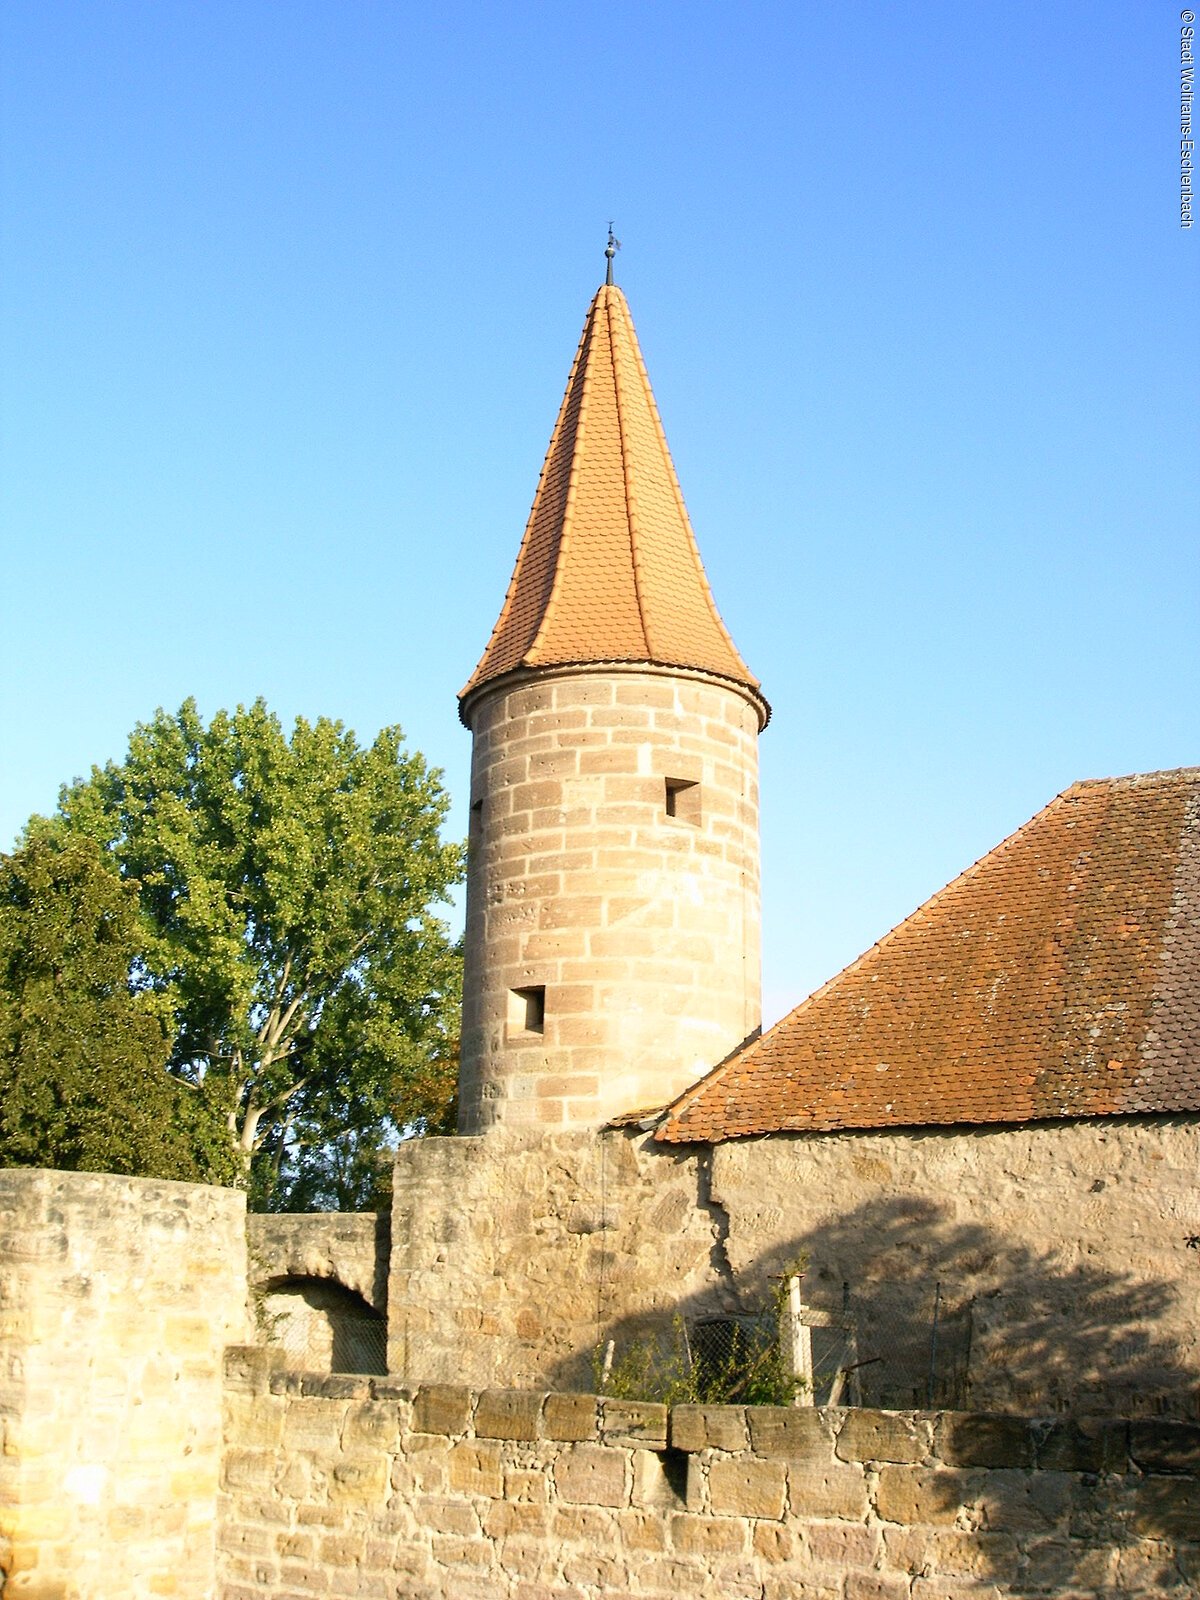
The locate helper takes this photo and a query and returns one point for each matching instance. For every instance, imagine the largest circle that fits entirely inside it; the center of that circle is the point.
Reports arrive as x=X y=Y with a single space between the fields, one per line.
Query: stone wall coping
x=853 y=1435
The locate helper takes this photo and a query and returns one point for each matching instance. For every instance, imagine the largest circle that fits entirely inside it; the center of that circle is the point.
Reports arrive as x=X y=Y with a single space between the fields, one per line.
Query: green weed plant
x=751 y=1371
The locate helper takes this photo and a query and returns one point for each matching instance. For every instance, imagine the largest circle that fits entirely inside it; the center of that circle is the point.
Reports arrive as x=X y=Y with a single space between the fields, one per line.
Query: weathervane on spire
x=610 y=250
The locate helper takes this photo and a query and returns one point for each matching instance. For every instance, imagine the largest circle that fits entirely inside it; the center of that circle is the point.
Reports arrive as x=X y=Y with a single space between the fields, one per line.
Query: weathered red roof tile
x=1058 y=977
x=608 y=570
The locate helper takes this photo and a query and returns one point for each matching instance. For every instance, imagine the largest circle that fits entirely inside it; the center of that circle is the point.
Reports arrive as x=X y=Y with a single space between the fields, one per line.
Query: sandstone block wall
x=642 y=928
x=373 y=1487
x=1069 y=1276
x=515 y=1256
x=117 y=1299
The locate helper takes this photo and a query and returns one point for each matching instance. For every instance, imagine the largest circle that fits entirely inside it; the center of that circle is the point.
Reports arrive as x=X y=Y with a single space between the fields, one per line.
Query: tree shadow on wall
x=1021 y=1330
x=952 y=1313
x=323 y=1326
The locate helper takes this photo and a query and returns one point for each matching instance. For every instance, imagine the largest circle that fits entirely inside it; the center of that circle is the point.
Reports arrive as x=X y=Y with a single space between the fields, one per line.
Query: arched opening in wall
x=323 y=1326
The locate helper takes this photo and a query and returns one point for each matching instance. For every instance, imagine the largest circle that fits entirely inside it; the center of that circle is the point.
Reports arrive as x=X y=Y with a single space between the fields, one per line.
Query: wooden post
x=799 y=1344
x=606 y=1371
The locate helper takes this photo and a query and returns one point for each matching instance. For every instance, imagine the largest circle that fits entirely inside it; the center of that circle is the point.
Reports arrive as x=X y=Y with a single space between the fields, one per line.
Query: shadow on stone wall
x=1021 y=1330
x=1050 y=1337
x=323 y=1326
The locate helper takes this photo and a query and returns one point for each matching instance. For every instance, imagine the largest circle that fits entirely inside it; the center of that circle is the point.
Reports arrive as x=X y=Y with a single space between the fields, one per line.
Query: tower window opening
x=475 y=821
x=527 y=1010
x=683 y=800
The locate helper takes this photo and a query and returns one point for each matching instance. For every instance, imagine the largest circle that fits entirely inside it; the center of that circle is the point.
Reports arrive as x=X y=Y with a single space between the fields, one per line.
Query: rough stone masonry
x=118 y=1297
x=338 y=1486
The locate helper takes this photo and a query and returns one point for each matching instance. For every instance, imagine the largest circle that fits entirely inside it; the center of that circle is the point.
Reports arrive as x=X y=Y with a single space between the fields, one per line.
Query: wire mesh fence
x=725 y=1360
x=897 y=1353
x=915 y=1347
x=331 y=1341
x=725 y=1352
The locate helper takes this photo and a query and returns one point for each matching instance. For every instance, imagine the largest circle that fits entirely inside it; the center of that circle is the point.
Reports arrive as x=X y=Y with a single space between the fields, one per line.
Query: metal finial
x=610 y=250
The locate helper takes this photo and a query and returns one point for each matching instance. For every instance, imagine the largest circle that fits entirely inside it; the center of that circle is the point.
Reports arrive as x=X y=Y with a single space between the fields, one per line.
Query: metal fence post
x=933 y=1343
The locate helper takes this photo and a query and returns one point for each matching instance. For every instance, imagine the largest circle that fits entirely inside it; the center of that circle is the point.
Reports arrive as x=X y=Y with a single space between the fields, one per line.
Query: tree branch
x=285 y=1095
x=283 y=979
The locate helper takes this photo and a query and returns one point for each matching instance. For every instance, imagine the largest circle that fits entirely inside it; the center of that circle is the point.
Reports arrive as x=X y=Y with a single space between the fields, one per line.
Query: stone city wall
x=375 y=1487
x=514 y=1256
x=118 y=1297
x=1061 y=1255
x=1066 y=1255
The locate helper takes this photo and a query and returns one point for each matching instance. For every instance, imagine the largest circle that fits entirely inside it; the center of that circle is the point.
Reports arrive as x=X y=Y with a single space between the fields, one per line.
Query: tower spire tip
x=610 y=250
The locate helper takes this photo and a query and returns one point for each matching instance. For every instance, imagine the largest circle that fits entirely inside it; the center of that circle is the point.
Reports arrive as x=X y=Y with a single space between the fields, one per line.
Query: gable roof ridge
x=678 y=1107
x=1179 y=773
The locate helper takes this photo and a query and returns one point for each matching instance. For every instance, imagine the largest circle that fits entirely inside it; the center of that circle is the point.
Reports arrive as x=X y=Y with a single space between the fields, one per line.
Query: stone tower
x=612 y=944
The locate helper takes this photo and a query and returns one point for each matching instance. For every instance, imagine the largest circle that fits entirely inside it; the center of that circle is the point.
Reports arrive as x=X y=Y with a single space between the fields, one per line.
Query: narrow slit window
x=475 y=821
x=683 y=800
x=527 y=1010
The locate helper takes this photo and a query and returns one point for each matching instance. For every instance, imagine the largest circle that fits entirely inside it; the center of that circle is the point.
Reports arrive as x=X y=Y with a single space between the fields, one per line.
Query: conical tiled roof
x=608 y=570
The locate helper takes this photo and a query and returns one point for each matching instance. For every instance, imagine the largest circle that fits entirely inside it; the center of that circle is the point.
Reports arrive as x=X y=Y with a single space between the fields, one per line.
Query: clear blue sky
x=290 y=291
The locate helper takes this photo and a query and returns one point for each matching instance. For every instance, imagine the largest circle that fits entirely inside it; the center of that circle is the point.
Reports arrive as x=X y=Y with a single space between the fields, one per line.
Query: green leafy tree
x=286 y=887
x=352 y=1171
x=84 y=1043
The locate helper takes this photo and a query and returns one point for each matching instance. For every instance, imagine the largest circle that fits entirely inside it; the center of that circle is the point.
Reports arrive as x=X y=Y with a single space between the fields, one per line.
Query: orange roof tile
x=1058 y=977
x=608 y=570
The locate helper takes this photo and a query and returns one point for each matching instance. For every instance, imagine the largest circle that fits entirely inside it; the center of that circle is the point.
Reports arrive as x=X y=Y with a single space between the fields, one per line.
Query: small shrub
x=746 y=1368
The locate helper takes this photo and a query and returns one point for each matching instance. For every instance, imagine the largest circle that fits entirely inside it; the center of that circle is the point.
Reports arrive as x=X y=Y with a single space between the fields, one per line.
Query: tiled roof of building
x=1058 y=977
x=608 y=570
